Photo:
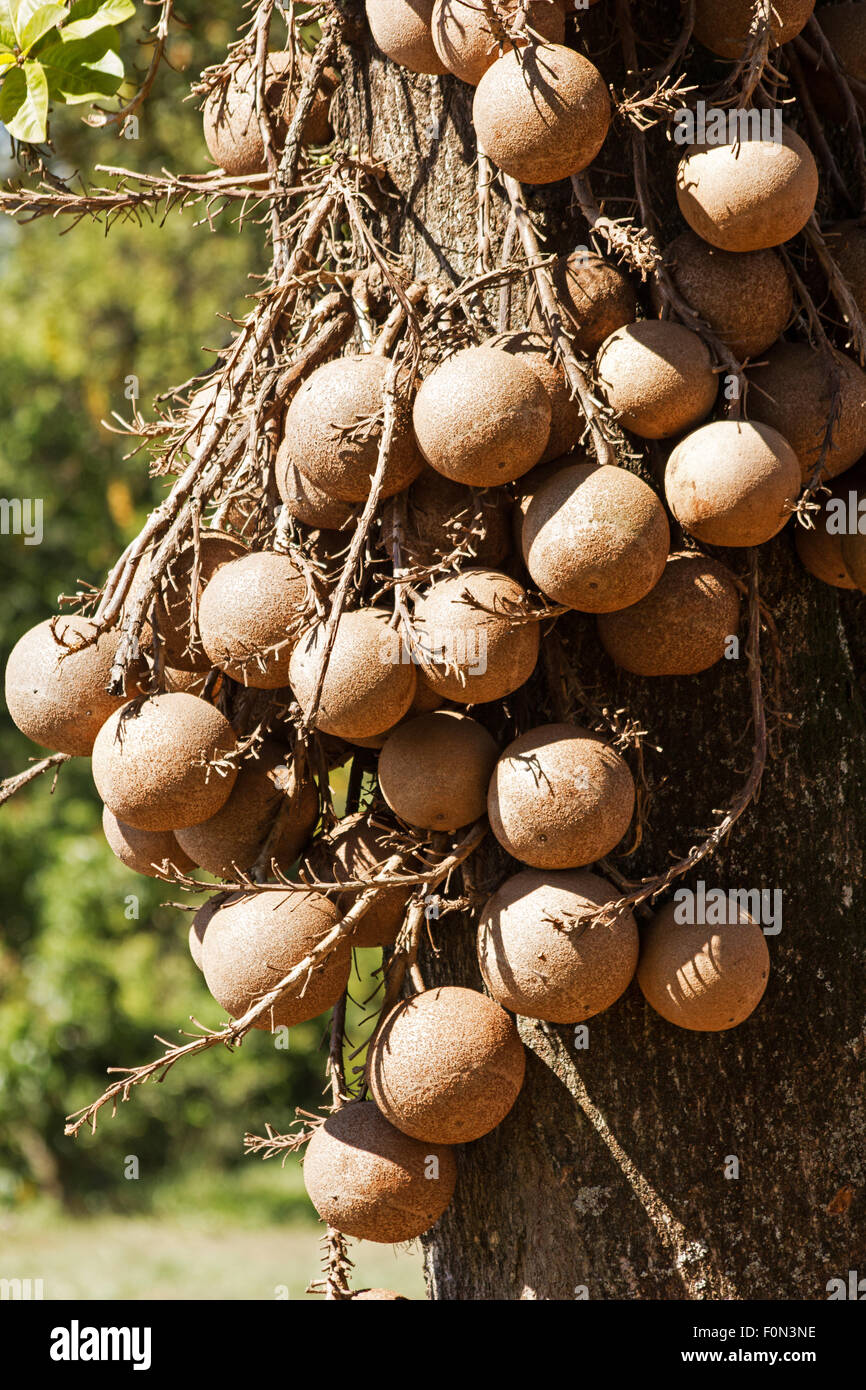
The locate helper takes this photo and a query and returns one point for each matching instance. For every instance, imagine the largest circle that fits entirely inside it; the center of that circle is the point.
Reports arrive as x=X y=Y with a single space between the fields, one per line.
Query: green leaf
x=85 y=69
x=18 y=13
x=6 y=59
x=89 y=16
x=44 y=18
x=24 y=103
x=8 y=32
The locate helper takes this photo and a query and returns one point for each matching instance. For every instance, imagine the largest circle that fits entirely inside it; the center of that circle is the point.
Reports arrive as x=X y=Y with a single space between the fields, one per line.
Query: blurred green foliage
x=84 y=985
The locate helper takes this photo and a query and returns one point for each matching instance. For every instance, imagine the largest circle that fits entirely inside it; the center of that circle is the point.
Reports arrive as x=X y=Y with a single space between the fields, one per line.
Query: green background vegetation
x=84 y=984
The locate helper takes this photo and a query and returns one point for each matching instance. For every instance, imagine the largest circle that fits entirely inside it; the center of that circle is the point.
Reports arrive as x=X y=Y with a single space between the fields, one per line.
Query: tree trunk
x=607 y=1180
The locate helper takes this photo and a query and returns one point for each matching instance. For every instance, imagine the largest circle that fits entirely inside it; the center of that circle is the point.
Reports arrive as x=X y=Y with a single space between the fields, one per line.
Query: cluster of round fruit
x=541 y=114
x=485 y=450
x=232 y=129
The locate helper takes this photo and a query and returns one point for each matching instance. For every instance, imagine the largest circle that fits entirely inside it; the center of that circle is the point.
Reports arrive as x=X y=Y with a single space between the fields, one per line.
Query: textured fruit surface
x=733 y=483
x=822 y=552
x=657 y=376
x=682 y=625
x=250 y=617
x=468 y=43
x=418 y=770
x=447 y=1065
x=402 y=29
x=232 y=840
x=745 y=297
x=153 y=762
x=482 y=417
x=751 y=195
x=333 y=429
x=566 y=418
x=595 y=538
x=794 y=391
x=444 y=517
x=368 y=686
x=307 y=502
x=540 y=954
x=358 y=851
x=145 y=851
x=55 y=684
x=173 y=606
x=559 y=797
x=541 y=116
x=231 y=127
x=724 y=29
x=468 y=624
x=705 y=978
x=596 y=297
x=368 y=1180
x=253 y=941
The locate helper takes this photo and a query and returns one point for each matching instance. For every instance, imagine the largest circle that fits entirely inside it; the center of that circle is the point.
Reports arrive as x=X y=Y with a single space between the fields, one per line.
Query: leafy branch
x=65 y=54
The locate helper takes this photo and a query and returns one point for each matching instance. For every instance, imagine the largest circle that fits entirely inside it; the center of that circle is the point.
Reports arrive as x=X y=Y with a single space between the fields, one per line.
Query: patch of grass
x=198 y=1254
x=256 y=1194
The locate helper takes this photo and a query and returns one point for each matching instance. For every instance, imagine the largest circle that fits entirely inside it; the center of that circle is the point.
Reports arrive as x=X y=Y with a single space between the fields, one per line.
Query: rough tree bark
x=608 y=1178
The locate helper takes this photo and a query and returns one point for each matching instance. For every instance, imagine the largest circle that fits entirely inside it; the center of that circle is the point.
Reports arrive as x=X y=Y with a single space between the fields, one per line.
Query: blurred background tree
x=83 y=983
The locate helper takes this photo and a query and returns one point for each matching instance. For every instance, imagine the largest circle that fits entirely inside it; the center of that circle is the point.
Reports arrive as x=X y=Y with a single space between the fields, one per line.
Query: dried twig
x=11 y=785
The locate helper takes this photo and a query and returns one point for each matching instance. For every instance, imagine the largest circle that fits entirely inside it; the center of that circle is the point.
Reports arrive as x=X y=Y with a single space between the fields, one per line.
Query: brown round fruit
x=306 y=502
x=750 y=195
x=358 y=851
x=542 y=116
x=55 y=685
x=657 y=376
x=724 y=29
x=468 y=43
x=418 y=770
x=230 y=841
x=847 y=244
x=152 y=762
x=443 y=517
x=424 y=702
x=250 y=617
x=368 y=1180
x=177 y=682
x=333 y=429
x=482 y=417
x=705 y=978
x=198 y=926
x=368 y=686
x=231 y=126
x=595 y=538
x=253 y=941
x=446 y=1066
x=821 y=551
x=595 y=296
x=402 y=29
x=566 y=420
x=732 y=482
x=541 y=955
x=560 y=797
x=853 y=554
x=474 y=654
x=145 y=851
x=683 y=624
x=745 y=297
x=173 y=604
x=793 y=393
